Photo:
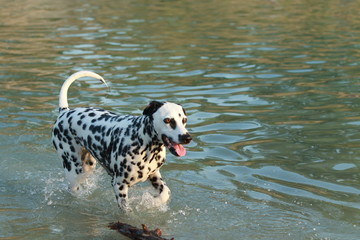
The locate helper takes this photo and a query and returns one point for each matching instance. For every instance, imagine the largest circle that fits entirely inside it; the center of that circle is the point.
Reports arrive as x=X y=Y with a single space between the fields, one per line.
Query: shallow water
x=271 y=89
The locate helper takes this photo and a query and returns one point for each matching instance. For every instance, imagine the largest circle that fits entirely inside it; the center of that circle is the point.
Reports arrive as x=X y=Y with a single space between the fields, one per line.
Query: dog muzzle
x=176 y=148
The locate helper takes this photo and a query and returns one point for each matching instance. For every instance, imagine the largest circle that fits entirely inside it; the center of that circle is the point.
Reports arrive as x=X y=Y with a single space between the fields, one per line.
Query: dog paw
x=124 y=206
x=164 y=196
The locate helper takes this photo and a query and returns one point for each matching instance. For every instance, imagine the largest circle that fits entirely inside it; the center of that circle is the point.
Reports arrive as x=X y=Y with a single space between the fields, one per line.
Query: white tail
x=63 y=103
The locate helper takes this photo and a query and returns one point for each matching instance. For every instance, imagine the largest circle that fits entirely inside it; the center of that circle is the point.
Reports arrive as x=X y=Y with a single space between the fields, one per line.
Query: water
x=271 y=89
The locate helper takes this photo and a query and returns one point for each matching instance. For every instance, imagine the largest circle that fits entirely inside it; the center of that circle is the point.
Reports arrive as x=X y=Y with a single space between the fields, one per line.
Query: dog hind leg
x=77 y=164
x=88 y=161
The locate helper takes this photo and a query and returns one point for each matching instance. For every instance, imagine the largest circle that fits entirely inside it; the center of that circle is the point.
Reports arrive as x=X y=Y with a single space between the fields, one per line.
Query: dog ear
x=152 y=108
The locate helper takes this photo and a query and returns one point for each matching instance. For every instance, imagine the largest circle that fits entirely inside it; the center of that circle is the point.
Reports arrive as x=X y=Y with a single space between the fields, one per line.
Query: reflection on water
x=270 y=87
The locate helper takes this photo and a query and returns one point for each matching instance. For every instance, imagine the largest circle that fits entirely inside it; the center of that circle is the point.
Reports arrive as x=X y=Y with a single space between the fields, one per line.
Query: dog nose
x=185 y=138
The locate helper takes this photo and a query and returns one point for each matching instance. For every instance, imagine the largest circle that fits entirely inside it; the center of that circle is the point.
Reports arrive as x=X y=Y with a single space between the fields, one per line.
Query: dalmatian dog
x=132 y=149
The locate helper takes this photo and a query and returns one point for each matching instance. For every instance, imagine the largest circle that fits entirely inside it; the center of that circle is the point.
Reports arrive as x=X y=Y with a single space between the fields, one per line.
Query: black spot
x=73 y=158
x=127 y=132
x=108 y=132
x=55 y=145
x=184 y=111
x=91 y=114
x=152 y=108
x=69 y=113
x=95 y=129
x=66 y=163
x=70 y=120
x=122 y=195
x=125 y=150
x=72 y=149
x=161 y=188
x=60 y=124
x=173 y=123
x=89 y=141
x=66 y=134
x=56 y=132
x=116 y=131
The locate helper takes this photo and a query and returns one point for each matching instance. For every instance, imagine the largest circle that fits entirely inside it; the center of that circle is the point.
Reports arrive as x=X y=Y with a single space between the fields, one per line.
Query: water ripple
x=271 y=93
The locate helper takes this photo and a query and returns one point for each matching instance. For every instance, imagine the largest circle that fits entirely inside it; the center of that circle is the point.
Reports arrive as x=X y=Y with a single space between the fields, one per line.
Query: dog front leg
x=121 y=192
x=160 y=186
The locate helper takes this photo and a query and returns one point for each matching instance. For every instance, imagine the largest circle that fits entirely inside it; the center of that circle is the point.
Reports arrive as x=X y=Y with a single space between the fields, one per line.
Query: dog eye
x=167 y=120
x=184 y=120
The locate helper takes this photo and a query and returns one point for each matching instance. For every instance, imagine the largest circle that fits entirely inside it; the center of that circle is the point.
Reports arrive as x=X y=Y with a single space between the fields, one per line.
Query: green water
x=272 y=92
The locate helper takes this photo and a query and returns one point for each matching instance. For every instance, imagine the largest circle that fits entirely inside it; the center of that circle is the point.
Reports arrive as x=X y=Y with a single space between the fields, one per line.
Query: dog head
x=169 y=122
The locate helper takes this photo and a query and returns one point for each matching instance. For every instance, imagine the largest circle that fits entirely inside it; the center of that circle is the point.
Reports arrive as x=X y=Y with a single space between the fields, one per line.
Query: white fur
x=63 y=103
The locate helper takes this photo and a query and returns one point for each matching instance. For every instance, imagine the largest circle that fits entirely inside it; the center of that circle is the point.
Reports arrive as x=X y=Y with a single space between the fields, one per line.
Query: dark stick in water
x=137 y=233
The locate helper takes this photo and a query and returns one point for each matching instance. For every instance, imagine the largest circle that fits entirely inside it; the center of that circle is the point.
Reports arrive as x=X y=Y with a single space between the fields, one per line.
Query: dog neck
x=149 y=131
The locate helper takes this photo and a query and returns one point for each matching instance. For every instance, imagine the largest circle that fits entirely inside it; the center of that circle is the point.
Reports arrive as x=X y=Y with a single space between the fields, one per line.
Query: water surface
x=271 y=89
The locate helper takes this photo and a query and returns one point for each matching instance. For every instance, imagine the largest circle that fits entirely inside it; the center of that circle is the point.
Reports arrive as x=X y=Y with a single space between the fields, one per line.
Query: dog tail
x=63 y=103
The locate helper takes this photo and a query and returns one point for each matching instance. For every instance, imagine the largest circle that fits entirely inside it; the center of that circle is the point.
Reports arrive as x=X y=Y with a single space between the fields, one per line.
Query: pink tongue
x=180 y=150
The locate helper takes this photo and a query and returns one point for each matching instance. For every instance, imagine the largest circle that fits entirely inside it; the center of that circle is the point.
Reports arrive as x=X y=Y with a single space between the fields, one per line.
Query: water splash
x=148 y=202
x=97 y=188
